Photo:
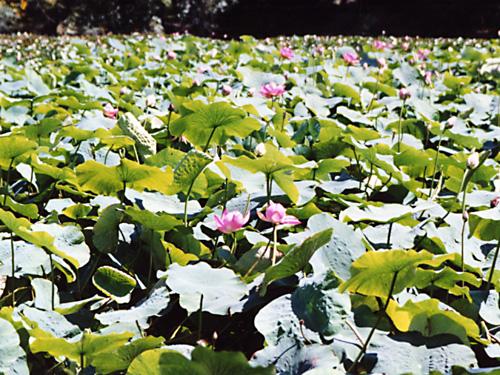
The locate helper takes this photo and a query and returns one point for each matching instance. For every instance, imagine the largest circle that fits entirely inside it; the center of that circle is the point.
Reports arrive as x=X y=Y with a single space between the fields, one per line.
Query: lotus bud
x=125 y=91
x=465 y=216
x=171 y=55
x=150 y=100
x=404 y=93
x=227 y=90
x=473 y=161
x=260 y=149
x=495 y=201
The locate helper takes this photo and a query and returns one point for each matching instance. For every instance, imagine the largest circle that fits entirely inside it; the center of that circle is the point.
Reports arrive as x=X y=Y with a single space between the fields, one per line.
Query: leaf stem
x=52 y=279
x=200 y=318
x=7 y=183
x=493 y=266
x=370 y=335
x=12 y=259
x=209 y=139
x=389 y=236
x=188 y=194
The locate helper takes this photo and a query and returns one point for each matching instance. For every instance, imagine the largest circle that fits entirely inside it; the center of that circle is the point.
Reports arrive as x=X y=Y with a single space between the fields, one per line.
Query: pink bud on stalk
x=231 y=221
x=227 y=90
x=150 y=100
x=473 y=160
x=495 y=201
x=171 y=55
x=404 y=93
x=260 y=149
x=276 y=214
x=428 y=78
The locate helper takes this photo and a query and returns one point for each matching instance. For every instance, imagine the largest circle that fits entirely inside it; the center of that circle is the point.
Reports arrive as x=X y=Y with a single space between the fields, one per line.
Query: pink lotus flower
x=379 y=44
x=404 y=93
x=423 y=53
x=351 y=58
x=276 y=214
x=230 y=222
x=109 y=111
x=272 y=89
x=287 y=53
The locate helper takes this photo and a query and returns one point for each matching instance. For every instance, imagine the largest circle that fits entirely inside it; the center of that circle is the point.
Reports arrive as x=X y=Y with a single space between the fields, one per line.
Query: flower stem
x=400 y=126
x=435 y=164
x=275 y=245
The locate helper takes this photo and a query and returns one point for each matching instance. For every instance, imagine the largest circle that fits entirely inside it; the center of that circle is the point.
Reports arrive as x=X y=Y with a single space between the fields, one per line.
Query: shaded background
x=470 y=18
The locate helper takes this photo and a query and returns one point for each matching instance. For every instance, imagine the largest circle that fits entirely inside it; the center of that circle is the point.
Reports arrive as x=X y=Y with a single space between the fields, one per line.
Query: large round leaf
x=217 y=289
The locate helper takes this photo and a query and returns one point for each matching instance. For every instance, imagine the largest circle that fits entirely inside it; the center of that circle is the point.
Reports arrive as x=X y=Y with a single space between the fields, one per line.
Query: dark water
x=432 y=18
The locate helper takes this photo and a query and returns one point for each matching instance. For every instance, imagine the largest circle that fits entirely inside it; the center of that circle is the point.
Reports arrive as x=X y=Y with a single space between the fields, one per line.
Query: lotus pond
x=178 y=205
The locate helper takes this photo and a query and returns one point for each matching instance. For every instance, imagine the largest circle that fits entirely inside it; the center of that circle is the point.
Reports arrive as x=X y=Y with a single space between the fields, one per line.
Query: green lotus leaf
x=13 y=149
x=113 y=283
x=214 y=124
x=373 y=272
x=296 y=259
x=431 y=319
x=485 y=224
x=83 y=351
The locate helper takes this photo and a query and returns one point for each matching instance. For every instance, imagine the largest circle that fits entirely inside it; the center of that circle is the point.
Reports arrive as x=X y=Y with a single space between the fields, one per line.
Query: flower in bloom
x=405 y=46
x=287 y=53
x=423 y=53
x=231 y=221
x=109 y=111
x=171 y=55
x=473 y=161
x=404 y=93
x=276 y=214
x=272 y=89
x=379 y=44
x=351 y=58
